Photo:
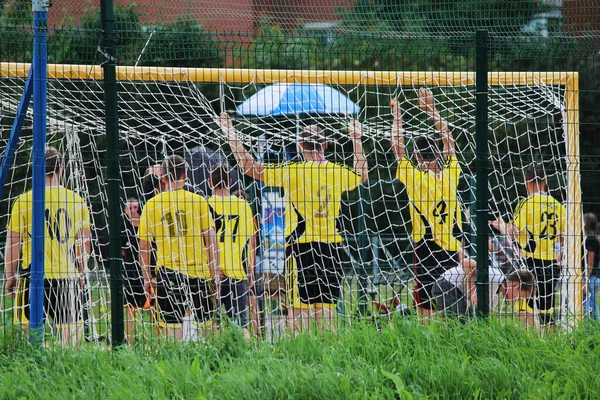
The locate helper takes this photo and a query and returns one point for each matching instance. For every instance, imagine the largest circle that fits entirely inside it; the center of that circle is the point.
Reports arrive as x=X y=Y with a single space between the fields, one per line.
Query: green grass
x=404 y=360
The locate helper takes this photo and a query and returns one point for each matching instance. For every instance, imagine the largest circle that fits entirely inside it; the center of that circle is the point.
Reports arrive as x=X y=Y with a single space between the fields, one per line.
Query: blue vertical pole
x=39 y=65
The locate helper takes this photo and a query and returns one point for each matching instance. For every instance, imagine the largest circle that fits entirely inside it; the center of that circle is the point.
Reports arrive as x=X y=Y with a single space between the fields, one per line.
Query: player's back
x=176 y=220
x=434 y=203
x=316 y=192
x=540 y=218
x=234 y=224
x=65 y=215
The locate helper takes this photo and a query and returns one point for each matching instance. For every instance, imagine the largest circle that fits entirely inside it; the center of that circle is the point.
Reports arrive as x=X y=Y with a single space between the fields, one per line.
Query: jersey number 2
x=324 y=200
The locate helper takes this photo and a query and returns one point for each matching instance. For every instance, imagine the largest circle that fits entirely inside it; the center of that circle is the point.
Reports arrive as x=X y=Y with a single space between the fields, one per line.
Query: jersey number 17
x=223 y=221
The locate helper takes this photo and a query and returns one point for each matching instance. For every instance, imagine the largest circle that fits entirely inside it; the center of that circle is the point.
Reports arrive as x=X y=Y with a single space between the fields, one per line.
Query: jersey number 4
x=223 y=221
x=440 y=212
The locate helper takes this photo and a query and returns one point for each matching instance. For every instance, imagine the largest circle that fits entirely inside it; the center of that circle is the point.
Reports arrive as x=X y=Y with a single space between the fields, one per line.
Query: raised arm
x=360 y=161
x=252 y=260
x=397 y=131
x=427 y=104
x=83 y=249
x=245 y=160
x=13 y=247
x=511 y=231
x=212 y=252
x=470 y=279
x=145 y=250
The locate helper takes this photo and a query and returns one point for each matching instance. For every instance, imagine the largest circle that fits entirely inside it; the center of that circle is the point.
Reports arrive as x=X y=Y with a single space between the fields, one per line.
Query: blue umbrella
x=297 y=98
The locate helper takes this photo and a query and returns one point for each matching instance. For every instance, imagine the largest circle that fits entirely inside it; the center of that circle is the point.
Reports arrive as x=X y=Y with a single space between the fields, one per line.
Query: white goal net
x=532 y=121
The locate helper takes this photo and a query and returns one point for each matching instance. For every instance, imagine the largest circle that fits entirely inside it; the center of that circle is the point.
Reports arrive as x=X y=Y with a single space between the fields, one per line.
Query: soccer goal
x=533 y=119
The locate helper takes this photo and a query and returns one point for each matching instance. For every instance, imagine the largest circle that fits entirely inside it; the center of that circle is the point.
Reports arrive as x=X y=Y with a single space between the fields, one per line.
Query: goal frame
x=567 y=79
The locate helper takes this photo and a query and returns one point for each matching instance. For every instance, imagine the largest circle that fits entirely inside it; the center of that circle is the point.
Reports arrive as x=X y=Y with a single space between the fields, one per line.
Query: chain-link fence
x=385 y=160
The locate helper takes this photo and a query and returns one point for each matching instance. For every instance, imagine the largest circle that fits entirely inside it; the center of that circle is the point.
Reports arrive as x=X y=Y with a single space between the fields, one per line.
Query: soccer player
x=432 y=190
x=538 y=226
x=66 y=251
x=181 y=224
x=313 y=190
x=237 y=245
x=519 y=288
x=133 y=281
x=452 y=288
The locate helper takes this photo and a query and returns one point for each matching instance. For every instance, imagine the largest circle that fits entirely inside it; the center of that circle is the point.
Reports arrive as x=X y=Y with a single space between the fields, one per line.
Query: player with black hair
x=181 y=224
x=537 y=226
x=235 y=230
x=313 y=189
x=432 y=186
x=66 y=251
x=135 y=297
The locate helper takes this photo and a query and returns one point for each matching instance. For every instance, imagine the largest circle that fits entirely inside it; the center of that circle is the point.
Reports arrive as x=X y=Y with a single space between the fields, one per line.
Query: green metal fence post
x=481 y=160
x=363 y=251
x=112 y=171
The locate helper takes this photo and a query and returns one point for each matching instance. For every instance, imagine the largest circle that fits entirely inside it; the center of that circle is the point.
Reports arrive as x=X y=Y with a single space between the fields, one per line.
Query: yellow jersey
x=66 y=215
x=434 y=207
x=313 y=193
x=235 y=226
x=175 y=220
x=540 y=219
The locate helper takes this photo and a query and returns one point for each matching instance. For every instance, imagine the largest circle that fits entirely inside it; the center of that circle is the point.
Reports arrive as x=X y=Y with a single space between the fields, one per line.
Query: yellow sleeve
x=405 y=171
x=145 y=230
x=16 y=223
x=518 y=209
x=522 y=306
x=206 y=219
x=273 y=175
x=349 y=178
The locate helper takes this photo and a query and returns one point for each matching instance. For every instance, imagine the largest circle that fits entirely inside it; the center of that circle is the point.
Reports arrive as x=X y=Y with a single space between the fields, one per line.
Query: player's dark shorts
x=547 y=275
x=133 y=287
x=450 y=300
x=62 y=299
x=21 y=307
x=234 y=298
x=203 y=299
x=172 y=297
x=320 y=268
x=431 y=261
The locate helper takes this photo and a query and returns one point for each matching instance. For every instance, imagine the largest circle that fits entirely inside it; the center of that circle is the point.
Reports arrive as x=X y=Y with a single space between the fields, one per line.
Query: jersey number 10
x=178 y=226
x=55 y=222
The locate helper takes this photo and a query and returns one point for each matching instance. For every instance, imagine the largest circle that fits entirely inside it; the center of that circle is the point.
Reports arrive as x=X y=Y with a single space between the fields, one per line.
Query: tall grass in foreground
x=403 y=360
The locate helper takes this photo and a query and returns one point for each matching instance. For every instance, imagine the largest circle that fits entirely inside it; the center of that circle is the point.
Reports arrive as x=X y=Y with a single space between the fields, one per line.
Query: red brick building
x=231 y=16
